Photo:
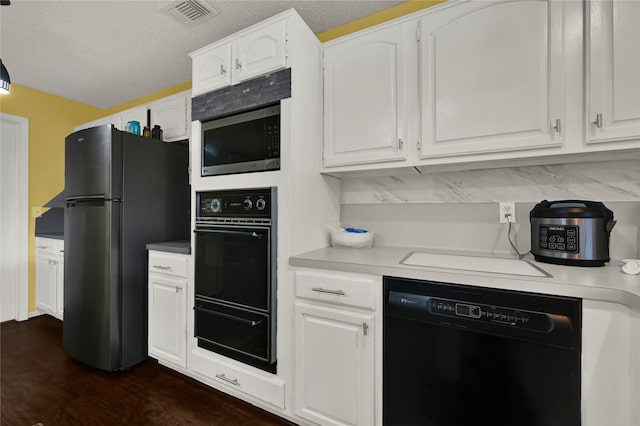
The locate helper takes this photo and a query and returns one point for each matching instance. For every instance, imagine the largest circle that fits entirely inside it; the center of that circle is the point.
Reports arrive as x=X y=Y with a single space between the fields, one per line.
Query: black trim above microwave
x=263 y=90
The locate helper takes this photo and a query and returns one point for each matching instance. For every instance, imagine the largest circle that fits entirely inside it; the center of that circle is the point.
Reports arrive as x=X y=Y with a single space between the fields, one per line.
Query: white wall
x=459 y=210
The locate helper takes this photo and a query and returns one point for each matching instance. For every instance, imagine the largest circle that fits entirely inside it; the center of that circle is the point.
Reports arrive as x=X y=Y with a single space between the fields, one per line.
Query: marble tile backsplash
x=599 y=181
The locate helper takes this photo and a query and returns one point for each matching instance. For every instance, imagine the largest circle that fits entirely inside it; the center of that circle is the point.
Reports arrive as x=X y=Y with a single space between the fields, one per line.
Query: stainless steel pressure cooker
x=571 y=232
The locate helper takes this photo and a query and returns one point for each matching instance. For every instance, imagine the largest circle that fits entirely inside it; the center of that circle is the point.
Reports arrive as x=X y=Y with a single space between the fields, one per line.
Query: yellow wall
x=52 y=118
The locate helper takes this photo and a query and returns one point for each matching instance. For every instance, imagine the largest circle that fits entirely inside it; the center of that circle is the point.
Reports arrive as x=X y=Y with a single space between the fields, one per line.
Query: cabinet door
x=492 y=77
x=171 y=115
x=613 y=70
x=334 y=365
x=365 y=96
x=134 y=114
x=167 y=319
x=211 y=69
x=46 y=283
x=259 y=51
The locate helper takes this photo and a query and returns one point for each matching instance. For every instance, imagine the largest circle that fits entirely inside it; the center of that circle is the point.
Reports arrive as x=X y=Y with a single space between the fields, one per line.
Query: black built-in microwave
x=242 y=143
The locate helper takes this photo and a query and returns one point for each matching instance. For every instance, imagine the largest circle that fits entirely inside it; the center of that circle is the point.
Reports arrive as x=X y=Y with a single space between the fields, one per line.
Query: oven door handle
x=253 y=234
x=227 y=316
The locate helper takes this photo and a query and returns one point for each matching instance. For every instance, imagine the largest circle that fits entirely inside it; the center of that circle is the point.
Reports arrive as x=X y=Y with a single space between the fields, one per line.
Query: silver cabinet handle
x=324 y=290
x=558 y=126
x=222 y=70
x=234 y=382
x=365 y=328
x=400 y=144
x=238 y=64
x=164 y=268
x=598 y=120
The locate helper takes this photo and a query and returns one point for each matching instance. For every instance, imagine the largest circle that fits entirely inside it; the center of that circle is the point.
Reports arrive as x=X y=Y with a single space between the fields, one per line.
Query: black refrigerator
x=122 y=192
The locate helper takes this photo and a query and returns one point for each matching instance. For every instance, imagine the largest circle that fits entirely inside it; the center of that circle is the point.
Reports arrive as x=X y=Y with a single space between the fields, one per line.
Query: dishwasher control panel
x=495 y=314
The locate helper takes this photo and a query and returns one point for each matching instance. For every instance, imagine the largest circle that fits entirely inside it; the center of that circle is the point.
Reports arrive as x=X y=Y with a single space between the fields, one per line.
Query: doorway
x=14 y=215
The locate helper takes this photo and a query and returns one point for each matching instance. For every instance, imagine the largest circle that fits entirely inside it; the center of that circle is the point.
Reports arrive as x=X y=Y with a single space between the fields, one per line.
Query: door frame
x=21 y=207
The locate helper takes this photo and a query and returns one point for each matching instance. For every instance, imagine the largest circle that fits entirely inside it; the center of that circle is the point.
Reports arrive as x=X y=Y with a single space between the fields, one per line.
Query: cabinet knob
x=238 y=64
x=222 y=70
x=400 y=144
x=178 y=289
x=598 y=120
x=558 y=126
x=365 y=328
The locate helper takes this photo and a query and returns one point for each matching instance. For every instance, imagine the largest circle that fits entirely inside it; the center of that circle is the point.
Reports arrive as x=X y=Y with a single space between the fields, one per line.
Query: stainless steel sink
x=474 y=263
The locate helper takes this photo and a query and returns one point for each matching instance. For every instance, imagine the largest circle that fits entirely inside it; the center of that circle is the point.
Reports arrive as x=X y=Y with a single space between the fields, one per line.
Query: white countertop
x=606 y=283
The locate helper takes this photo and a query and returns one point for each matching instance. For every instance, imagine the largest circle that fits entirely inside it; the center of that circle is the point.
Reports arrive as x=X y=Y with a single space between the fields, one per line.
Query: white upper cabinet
x=138 y=114
x=492 y=77
x=172 y=114
x=211 y=70
x=365 y=95
x=257 y=50
x=613 y=70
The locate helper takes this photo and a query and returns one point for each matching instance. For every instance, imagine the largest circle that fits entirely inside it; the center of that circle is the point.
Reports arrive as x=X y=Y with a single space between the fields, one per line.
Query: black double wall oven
x=235 y=274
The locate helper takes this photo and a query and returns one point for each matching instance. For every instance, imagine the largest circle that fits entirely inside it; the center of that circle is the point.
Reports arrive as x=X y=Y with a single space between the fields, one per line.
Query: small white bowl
x=342 y=238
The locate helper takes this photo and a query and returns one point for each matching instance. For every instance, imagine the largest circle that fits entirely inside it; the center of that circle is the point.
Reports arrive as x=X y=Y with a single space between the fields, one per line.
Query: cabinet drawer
x=268 y=389
x=49 y=246
x=168 y=264
x=340 y=288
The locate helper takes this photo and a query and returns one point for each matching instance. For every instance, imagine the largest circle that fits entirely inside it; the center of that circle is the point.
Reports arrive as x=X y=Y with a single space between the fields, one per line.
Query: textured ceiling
x=105 y=53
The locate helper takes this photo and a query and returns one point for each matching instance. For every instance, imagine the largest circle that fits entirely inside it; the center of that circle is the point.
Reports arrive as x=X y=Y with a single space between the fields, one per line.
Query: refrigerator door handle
x=93 y=200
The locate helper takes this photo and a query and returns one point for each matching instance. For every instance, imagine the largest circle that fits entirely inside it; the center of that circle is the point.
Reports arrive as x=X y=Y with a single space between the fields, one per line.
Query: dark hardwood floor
x=40 y=383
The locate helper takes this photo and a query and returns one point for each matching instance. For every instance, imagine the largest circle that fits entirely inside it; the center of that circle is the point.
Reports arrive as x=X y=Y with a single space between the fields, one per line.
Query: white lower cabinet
x=168 y=307
x=335 y=347
x=228 y=375
x=50 y=276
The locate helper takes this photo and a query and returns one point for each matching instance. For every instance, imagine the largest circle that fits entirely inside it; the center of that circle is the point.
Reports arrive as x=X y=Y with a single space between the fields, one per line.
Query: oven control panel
x=494 y=314
x=250 y=203
x=561 y=238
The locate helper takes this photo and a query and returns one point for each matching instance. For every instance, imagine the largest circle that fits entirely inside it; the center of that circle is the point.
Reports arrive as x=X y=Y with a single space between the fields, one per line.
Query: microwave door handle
x=229 y=232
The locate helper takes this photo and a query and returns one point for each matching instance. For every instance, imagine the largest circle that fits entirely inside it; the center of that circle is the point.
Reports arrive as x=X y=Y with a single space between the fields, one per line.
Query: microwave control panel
x=272 y=137
x=560 y=238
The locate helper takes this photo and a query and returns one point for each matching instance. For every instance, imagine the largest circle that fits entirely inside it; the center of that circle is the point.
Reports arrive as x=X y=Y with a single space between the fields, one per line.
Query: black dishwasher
x=461 y=355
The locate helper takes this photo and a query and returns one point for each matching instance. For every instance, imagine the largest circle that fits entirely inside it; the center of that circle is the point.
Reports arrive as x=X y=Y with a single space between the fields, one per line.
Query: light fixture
x=5 y=80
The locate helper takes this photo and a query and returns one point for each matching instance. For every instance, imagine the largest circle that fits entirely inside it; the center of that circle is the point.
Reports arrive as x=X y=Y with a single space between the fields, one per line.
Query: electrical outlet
x=507 y=212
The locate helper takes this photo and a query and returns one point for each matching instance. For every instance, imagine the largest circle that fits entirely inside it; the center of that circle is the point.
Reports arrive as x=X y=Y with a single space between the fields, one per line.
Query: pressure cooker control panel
x=560 y=238
x=535 y=321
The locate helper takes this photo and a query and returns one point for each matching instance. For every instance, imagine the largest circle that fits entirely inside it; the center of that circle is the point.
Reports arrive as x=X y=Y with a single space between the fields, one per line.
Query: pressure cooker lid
x=571 y=209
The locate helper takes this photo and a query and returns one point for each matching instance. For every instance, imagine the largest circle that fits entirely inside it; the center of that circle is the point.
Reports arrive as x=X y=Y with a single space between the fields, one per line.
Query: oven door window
x=232 y=265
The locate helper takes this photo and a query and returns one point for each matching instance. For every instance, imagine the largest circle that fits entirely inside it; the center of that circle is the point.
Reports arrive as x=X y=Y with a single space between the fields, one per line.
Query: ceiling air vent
x=189 y=12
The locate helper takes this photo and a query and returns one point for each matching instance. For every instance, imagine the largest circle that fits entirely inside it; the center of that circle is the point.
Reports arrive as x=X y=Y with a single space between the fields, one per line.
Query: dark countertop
x=182 y=247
